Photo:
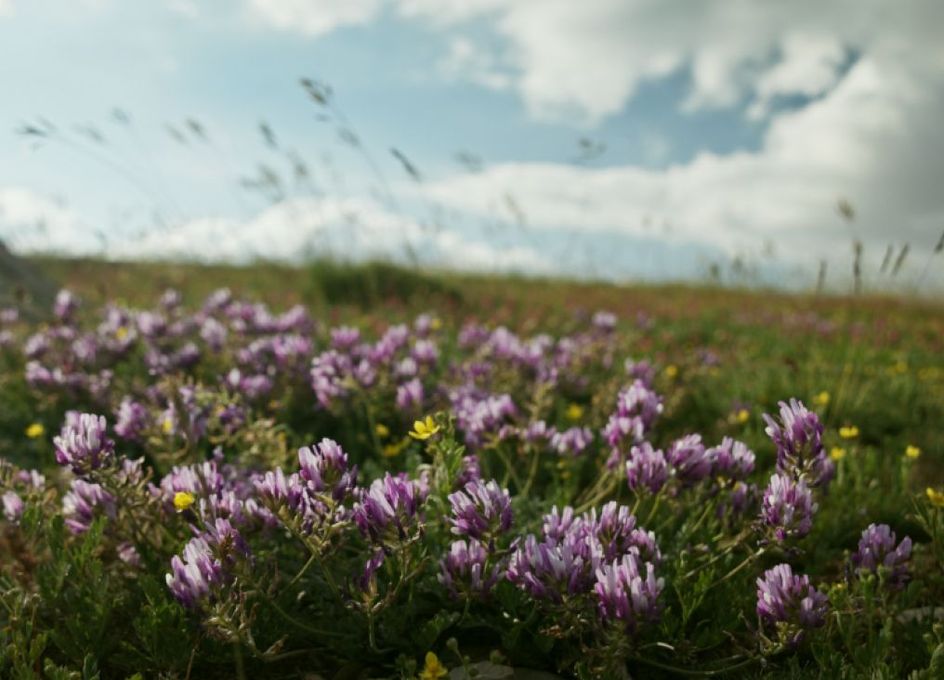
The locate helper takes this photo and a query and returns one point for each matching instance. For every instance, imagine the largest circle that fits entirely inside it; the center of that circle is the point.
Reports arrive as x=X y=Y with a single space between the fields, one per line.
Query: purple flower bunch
x=83 y=503
x=206 y=563
x=690 y=460
x=798 y=436
x=787 y=509
x=465 y=570
x=83 y=444
x=582 y=555
x=481 y=510
x=637 y=408
x=390 y=509
x=325 y=469
x=732 y=459
x=628 y=591
x=878 y=553
x=646 y=468
x=790 y=603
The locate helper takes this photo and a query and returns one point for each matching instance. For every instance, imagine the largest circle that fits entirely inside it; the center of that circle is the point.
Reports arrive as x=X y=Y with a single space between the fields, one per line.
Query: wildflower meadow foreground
x=229 y=491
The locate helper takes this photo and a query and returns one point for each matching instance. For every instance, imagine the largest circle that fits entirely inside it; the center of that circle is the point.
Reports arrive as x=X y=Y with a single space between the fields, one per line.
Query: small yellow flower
x=424 y=429
x=936 y=497
x=821 y=399
x=382 y=430
x=850 y=432
x=392 y=450
x=183 y=500
x=435 y=323
x=912 y=451
x=35 y=430
x=433 y=668
x=837 y=453
x=574 y=412
x=671 y=370
x=742 y=416
x=121 y=332
x=167 y=425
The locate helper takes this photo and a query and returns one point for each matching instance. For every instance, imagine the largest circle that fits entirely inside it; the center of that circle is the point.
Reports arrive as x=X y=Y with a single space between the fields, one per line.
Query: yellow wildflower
x=167 y=425
x=121 y=333
x=35 y=430
x=912 y=451
x=392 y=450
x=742 y=415
x=424 y=429
x=850 y=432
x=183 y=500
x=382 y=430
x=671 y=370
x=837 y=453
x=433 y=668
x=821 y=399
x=574 y=412
x=435 y=323
x=936 y=497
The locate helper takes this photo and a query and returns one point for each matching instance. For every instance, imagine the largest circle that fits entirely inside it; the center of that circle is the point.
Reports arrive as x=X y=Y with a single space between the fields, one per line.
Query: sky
x=613 y=139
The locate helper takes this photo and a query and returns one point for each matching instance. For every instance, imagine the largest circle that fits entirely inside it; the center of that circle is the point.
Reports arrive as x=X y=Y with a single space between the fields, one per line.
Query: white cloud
x=870 y=139
x=315 y=17
x=469 y=62
x=353 y=229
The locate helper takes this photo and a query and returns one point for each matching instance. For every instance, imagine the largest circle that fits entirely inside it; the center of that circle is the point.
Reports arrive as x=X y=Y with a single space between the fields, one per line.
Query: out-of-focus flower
x=183 y=500
x=936 y=497
x=424 y=429
x=646 y=468
x=572 y=441
x=574 y=412
x=433 y=668
x=83 y=501
x=912 y=452
x=671 y=371
x=65 y=305
x=849 y=432
x=691 y=461
x=131 y=419
x=789 y=602
x=35 y=430
x=741 y=416
x=410 y=396
x=382 y=431
x=822 y=399
x=12 y=506
x=732 y=459
x=877 y=550
x=83 y=444
x=837 y=453
x=788 y=507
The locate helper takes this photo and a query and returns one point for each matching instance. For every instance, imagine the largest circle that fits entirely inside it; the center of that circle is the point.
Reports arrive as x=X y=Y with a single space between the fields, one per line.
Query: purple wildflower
x=12 y=506
x=83 y=444
x=877 y=551
x=788 y=507
x=388 y=509
x=572 y=442
x=325 y=468
x=410 y=395
x=646 y=468
x=799 y=439
x=788 y=601
x=463 y=570
x=691 y=461
x=732 y=459
x=627 y=591
x=482 y=510
x=131 y=419
x=81 y=503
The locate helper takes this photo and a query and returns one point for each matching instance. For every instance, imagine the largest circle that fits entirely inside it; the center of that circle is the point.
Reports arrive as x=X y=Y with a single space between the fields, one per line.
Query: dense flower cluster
x=799 y=439
x=877 y=550
x=788 y=507
x=790 y=602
